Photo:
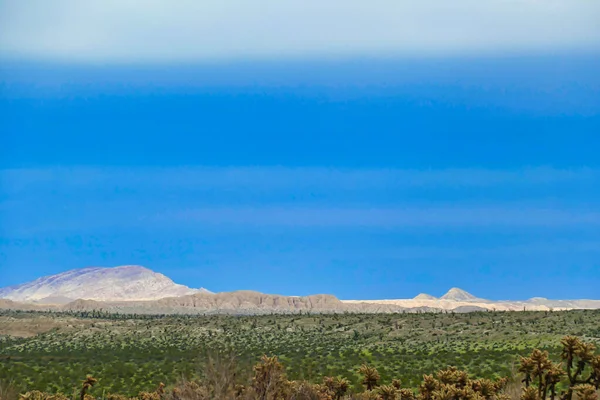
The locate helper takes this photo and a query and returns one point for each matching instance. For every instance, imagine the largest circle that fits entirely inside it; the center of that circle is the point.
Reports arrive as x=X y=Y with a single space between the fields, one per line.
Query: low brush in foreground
x=577 y=377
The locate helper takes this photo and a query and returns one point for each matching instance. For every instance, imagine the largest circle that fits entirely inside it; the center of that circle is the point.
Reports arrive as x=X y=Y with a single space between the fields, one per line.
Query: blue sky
x=285 y=151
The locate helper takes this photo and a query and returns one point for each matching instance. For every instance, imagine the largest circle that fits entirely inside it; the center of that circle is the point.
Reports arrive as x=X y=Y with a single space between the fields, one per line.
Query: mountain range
x=135 y=289
x=128 y=282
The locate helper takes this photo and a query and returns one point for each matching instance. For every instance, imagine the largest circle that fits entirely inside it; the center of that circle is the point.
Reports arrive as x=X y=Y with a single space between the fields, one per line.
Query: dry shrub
x=368 y=395
x=220 y=379
x=37 y=395
x=308 y=391
x=8 y=391
x=514 y=387
x=219 y=375
x=189 y=390
x=111 y=396
x=270 y=381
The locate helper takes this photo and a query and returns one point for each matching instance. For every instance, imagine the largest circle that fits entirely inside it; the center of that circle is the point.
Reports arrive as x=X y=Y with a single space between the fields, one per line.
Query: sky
x=367 y=150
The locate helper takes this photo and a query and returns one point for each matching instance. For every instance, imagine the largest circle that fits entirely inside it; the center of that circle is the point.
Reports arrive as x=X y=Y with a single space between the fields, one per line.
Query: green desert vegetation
x=427 y=356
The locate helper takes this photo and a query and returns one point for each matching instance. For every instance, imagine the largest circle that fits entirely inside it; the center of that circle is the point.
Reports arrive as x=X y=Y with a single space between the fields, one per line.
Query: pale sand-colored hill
x=240 y=302
x=457 y=299
x=6 y=304
x=449 y=305
x=425 y=296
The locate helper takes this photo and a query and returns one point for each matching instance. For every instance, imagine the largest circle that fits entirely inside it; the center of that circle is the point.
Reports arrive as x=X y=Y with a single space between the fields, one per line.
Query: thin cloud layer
x=293 y=180
x=443 y=217
x=117 y=31
x=80 y=199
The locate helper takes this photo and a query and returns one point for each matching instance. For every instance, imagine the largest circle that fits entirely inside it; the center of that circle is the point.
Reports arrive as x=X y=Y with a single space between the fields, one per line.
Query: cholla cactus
x=149 y=396
x=269 y=379
x=369 y=395
x=158 y=394
x=527 y=368
x=337 y=387
x=305 y=390
x=445 y=392
x=500 y=384
x=485 y=387
x=87 y=384
x=387 y=392
x=370 y=377
x=468 y=393
x=570 y=345
x=427 y=387
x=530 y=393
x=553 y=377
x=37 y=395
x=595 y=364
x=539 y=369
x=406 y=394
x=578 y=355
x=453 y=376
x=586 y=392
x=541 y=362
x=454 y=384
x=329 y=382
x=585 y=351
x=341 y=387
x=160 y=389
x=446 y=376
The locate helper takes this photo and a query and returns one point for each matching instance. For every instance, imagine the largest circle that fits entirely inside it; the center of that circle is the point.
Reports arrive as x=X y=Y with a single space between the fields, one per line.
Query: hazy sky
x=365 y=149
x=188 y=30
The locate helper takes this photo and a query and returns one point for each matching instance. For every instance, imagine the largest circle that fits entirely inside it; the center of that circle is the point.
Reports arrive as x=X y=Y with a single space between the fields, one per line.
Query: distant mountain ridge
x=459 y=300
x=135 y=289
x=457 y=294
x=424 y=296
x=127 y=282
